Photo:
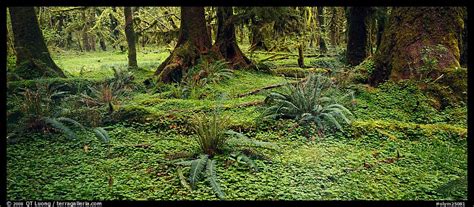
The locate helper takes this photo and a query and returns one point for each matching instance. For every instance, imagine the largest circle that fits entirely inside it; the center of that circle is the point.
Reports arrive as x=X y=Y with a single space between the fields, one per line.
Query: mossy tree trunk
x=257 y=41
x=381 y=18
x=226 y=42
x=334 y=27
x=464 y=40
x=130 y=35
x=32 y=56
x=193 y=44
x=113 y=27
x=322 y=30
x=358 y=34
x=410 y=34
x=85 y=35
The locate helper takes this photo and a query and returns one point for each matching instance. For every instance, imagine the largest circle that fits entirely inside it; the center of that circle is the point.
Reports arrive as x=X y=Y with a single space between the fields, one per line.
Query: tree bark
x=333 y=27
x=322 y=31
x=130 y=35
x=358 y=34
x=33 y=58
x=226 y=41
x=85 y=35
x=464 y=41
x=113 y=28
x=381 y=22
x=300 y=56
x=193 y=43
x=411 y=32
x=257 y=41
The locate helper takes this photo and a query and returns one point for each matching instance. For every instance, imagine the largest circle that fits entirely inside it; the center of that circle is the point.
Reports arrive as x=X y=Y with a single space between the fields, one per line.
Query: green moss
x=73 y=85
x=298 y=72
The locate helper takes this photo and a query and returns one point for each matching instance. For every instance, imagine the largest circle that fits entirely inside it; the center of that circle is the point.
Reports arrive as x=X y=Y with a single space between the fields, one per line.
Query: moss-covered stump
x=417 y=39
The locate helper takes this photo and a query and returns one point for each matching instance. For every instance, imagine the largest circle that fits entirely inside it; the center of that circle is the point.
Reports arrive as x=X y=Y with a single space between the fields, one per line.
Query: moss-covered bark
x=130 y=34
x=322 y=30
x=257 y=41
x=409 y=34
x=358 y=34
x=193 y=44
x=464 y=40
x=32 y=56
x=226 y=42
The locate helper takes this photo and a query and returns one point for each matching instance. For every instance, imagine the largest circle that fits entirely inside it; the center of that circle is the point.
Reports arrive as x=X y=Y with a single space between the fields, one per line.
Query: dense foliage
x=300 y=125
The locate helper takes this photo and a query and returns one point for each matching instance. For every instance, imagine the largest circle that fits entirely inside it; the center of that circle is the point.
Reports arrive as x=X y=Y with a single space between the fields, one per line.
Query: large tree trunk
x=322 y=31
x=130 y=34
x=410 y=32
x=423 y=44
x=85 y=34
x=358 y=34
x=113 y=28
x=381 y=22
x=464 y=40
x=193 y=43
x=226 y=42
x=32 y=56
x=257 y=41
x=333 y=27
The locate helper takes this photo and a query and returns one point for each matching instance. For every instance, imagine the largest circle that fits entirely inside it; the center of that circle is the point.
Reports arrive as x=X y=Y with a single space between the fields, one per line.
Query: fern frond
x=212 y=178
x=247 y=160
x=197 y=167
x=184 y=163
x=241 y=139
x=71 y=121
x=102 y=134
x=60 y=126
x=182 y=179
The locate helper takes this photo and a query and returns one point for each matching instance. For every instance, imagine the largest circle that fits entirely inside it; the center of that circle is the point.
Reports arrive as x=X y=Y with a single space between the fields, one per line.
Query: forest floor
x=398 y=146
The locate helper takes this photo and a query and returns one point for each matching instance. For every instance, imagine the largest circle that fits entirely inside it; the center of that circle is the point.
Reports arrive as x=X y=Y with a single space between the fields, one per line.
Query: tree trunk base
x=176 y=66
x=34 y=69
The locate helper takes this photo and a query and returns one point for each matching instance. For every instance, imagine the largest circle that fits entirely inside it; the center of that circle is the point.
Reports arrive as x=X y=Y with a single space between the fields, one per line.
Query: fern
x=240 y=139
x=71 y=121
x=182 y=179
x=212 y=178
x=184 y=163
x=245 y=159
x=60 y=126
x=102 y=134
x=210 y=131
x=308 y=103
x=197 y=166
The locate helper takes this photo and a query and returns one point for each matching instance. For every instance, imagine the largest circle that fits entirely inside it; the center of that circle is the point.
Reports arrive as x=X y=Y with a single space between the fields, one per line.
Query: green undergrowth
x=335 y=167
x=399 y=146
x=405 y=103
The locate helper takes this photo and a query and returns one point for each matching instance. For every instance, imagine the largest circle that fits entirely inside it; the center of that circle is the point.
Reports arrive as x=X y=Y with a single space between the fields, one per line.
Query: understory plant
x=40 y=111
x=311 y=103
x=109 y=93
x=214 y=138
